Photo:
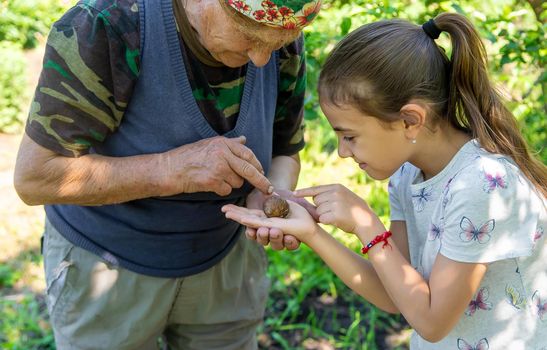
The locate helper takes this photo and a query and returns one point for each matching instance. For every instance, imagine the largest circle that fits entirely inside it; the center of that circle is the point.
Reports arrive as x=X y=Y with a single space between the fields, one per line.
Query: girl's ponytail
x=475 y=105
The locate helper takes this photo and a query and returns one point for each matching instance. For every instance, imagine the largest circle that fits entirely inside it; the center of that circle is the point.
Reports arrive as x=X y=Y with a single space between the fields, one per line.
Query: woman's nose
x=259 y=57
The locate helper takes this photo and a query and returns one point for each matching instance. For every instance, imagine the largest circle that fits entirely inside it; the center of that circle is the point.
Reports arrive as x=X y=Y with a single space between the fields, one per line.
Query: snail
x=276 y=206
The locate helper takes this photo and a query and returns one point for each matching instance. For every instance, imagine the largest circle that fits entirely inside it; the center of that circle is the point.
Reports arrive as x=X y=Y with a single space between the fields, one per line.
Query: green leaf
x=345 y=25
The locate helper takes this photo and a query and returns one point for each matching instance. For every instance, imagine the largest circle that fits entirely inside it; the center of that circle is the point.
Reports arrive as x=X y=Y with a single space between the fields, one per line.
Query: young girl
x=465 y=259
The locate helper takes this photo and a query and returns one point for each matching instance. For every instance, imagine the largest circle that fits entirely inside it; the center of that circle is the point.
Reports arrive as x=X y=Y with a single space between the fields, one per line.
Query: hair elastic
x=431 y=29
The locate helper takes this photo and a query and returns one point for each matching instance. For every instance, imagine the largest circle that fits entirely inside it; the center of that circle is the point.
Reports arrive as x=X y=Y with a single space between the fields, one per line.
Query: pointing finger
x=239 y=150
x=241 y=139
x=312 y=191
x=250 y=173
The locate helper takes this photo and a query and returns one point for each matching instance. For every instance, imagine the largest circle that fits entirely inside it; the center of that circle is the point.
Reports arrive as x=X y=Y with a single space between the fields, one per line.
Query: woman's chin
x=232 y=62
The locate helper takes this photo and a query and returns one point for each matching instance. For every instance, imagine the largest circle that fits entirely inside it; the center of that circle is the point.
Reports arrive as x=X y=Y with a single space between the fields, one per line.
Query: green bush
x=21 y=21
x=13 y=85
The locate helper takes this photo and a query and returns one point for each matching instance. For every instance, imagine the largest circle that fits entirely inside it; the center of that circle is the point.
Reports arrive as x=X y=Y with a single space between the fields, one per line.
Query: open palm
x=298 y=223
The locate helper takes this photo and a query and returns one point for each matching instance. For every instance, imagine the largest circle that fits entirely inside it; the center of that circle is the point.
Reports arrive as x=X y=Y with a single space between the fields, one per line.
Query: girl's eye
x=348 y=138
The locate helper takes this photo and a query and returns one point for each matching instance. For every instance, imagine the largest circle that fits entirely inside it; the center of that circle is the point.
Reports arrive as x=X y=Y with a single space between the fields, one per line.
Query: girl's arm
x=400 y=237
x=387 y=279
x=355 y=271
x=433 y=308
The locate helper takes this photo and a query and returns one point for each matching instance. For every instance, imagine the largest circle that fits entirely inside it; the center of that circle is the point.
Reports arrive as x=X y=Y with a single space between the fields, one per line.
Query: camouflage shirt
x=91 y=67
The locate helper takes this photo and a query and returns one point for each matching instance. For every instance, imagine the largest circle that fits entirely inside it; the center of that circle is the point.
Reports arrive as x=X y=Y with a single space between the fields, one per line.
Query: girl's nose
x=343 y=150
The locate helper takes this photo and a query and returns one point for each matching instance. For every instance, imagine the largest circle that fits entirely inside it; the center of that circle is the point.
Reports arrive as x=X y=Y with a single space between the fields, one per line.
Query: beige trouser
x=93 y=305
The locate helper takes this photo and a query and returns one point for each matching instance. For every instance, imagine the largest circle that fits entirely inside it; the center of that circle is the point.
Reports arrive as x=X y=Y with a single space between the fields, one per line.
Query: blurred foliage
x=22 y=23
x=24 y=324
x=13 y=85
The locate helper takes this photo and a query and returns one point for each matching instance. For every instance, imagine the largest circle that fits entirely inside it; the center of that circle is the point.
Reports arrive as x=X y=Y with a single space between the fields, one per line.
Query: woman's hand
x=299 y=223
x=338 y=206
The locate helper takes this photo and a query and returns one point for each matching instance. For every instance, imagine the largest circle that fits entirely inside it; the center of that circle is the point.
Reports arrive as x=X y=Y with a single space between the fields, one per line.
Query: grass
x=310 y=308
x=24 y=323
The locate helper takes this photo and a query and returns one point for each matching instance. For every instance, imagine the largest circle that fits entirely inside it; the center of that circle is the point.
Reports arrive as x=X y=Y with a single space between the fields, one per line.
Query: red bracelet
x=382 y=237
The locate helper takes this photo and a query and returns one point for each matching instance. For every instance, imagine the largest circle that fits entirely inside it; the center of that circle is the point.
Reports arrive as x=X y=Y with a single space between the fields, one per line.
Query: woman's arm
x=216 y=165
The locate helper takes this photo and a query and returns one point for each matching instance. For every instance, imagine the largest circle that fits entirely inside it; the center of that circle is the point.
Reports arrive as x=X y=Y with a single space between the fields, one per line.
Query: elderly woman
x=149 y=116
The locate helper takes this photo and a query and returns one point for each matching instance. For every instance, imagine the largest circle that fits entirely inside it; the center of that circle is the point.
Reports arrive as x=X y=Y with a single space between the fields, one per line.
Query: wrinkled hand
x=338 y=206
x=299 y=223
x=217 y=164
x=274 y=236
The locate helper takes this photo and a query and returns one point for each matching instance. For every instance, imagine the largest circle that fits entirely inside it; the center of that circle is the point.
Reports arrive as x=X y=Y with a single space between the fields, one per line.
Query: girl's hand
x=262 y=235
x=276 y=238
x=298 y=223
x=338 y=206
x=289 y=196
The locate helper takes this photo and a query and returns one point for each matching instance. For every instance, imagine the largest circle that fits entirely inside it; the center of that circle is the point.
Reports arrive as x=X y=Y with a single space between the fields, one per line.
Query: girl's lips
x=362 y=165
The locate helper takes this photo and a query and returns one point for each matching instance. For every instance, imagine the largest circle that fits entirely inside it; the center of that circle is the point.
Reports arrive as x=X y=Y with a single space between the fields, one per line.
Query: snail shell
x=276 y=206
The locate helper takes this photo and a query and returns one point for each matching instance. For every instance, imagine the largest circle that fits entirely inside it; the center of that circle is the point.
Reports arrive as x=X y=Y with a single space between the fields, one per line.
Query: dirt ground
x=20 y=225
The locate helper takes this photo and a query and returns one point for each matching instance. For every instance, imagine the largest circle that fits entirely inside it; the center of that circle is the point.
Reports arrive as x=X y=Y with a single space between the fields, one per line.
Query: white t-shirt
x=480 y=208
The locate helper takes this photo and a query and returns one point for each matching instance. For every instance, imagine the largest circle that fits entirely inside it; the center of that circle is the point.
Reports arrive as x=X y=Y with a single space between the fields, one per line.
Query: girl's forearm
x=355 y=271
x=403 y=283
x=411 y=293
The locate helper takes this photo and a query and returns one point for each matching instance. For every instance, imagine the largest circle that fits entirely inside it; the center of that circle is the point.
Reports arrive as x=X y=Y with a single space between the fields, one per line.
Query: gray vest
x=187 y=233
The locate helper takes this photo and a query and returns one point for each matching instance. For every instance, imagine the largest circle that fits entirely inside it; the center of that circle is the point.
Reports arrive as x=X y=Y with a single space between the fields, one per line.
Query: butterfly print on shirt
x=538 y=234
x=539 y=307
x=481 y=345
x=435 y=232
x=514 y=297
x=479 y=303
x=472 y=233
x=493 y=181
x=446 y=192
x=420 y=198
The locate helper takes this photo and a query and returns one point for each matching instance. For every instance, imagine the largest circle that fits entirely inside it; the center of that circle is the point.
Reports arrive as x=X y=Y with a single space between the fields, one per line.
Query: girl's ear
x=413 y=116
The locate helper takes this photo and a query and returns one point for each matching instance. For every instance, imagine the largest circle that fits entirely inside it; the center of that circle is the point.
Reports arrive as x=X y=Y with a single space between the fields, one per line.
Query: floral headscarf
x=289 y=14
